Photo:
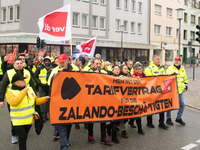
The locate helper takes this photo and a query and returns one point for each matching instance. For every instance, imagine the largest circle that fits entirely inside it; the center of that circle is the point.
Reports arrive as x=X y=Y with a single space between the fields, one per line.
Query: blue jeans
x=182 y=107
x=56 y=127
x=64 y=132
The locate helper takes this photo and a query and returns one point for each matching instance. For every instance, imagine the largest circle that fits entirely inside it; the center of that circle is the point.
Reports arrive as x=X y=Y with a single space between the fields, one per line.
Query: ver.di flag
x=88 y=48
x=56 y=25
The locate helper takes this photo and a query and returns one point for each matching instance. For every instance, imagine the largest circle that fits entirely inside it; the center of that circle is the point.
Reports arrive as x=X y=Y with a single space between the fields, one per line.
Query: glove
x=186 y=87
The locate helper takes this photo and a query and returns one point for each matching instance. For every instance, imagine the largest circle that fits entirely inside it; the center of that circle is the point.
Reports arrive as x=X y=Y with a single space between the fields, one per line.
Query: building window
x=102 y=2
x=199 y=20
x=118 y=3
x=102 y=23
x=75 y=19
x=169 y=55
x=11 y=13
x=133 y=5
x=186 y=2
x=185 y=34
x=95 y=1
x=126 y=26
x=192 y=19
x=192 y=35
x=169 y=31
x=3 y=14
x=169 y=12
x=17 y=12
x=94 y=21
x=126 y=4
x=117 y=24
x=178 y=0
x=157 y=29
x=185 y=17
x=158 y=9
x=84 y=20
x=139 y=28
x=193 y=3
x=132 y=27
x=139 y=7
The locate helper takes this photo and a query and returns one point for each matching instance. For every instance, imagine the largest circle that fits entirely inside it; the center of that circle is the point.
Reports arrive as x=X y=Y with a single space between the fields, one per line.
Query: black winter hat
x=16 y=77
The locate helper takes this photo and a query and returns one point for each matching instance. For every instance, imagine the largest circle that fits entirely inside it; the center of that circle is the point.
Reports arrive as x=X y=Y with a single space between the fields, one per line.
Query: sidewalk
x=192 y=96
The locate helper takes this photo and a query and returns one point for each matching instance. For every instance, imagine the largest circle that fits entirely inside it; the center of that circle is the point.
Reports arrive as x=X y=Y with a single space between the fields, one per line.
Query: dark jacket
x=5 y=82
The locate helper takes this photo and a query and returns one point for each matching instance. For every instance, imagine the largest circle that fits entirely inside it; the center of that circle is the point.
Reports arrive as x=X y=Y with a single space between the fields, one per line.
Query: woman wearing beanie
x=22 y=101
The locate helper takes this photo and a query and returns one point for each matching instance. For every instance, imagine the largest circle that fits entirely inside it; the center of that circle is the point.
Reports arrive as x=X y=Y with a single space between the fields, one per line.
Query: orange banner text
x=89 y=97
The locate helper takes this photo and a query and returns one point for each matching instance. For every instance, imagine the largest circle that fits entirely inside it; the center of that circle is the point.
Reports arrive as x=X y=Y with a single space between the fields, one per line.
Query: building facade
x=190 y=20
x=164 y=29
x=103 y=18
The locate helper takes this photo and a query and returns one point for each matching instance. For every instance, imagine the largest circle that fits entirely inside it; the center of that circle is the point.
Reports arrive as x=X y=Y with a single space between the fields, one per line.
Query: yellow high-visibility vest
x=22 y=114
x=1 y=71
x=181 y=77
x=152 y=70
x=53 y=72
x=12 y=72
x=43 y=76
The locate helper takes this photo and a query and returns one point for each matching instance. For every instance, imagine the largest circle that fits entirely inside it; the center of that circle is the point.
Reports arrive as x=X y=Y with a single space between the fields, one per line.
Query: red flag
x=56 y=25
x=88 y=48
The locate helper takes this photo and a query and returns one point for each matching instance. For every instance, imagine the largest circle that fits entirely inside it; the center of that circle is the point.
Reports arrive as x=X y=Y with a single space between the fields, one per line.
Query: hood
x=47 y=57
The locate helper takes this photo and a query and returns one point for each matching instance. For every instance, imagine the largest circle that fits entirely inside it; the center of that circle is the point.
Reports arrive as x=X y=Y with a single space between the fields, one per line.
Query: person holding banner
x=64 y=130
x=113 y=125
x=182 y=82
x=130 y=67
x=138 y=73
x=97 y=69
x=107 y=67
x=98 y=56
x=87 y=61
x=155 y=69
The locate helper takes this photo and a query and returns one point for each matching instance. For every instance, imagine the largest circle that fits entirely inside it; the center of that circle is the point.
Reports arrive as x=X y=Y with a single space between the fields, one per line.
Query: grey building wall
x=32 y=10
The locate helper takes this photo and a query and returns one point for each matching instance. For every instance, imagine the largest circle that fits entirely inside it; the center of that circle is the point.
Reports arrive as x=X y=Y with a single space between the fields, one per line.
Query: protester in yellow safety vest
x=50 y=75
x=108 y=67
x=53 y=56
x=31 y=65
x=155 y=69
x=6 y=85
x=40 y=78
x=64 y=130
x=130 y=67
x=182 y=83
x=87 y=61
x=98 y=56
x=97 y=69
x=22 y=100
x=80 y=62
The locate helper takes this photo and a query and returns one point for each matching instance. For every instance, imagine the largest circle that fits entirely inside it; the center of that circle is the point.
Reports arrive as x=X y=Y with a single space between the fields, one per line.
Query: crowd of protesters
x=26 y=79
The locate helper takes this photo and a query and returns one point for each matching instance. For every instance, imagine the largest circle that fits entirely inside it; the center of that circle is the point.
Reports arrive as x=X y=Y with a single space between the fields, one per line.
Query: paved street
x=176 y=137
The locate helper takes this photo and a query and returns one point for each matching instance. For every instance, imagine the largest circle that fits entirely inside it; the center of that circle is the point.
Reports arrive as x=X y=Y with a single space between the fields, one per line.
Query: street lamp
x=179 y=17
x=122 y=31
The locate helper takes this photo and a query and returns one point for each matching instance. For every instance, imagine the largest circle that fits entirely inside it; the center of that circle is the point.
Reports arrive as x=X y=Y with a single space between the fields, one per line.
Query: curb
x=193 y=107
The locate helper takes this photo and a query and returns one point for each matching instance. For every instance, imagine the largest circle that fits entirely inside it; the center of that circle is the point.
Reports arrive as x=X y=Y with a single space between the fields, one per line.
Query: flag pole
x=71 y=46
